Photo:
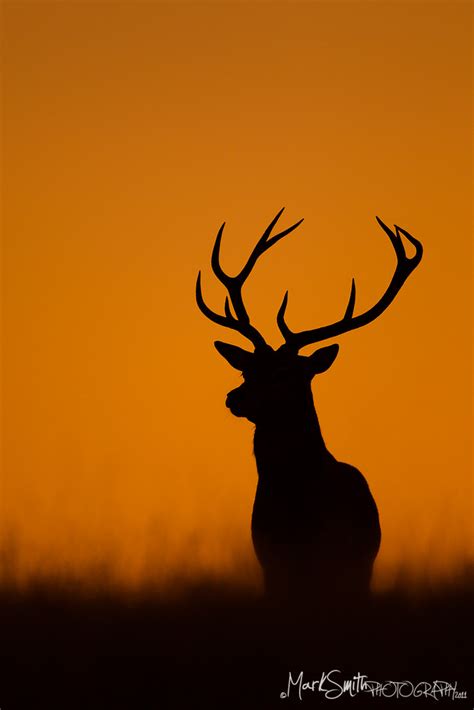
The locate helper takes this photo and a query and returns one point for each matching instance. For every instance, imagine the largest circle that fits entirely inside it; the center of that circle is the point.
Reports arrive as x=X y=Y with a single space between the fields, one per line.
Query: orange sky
x=131 y=131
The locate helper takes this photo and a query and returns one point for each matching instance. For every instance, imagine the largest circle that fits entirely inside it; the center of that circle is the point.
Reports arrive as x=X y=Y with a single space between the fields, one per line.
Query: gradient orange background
x=131 y=131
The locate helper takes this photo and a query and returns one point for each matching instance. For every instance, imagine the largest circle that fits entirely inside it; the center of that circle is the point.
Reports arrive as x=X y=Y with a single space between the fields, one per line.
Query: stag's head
x=274 y=379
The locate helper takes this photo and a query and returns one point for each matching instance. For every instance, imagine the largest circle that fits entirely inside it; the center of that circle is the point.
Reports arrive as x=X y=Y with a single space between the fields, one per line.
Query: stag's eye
x=248 y=377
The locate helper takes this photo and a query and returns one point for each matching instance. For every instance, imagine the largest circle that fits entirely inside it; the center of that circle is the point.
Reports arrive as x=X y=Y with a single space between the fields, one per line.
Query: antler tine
x=228 y=321
x=264 y=243
x=215 y=258
x=234 y=284
x=352 y=299
x=204 y=308
x=284 y=330
x=405 y=266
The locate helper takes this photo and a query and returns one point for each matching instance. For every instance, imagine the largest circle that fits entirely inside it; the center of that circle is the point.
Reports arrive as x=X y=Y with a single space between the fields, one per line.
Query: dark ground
x=212 y=645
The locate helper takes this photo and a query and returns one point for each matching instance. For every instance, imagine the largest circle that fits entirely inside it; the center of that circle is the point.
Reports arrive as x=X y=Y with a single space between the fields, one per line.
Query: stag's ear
x=237 y=357
x=322 y=359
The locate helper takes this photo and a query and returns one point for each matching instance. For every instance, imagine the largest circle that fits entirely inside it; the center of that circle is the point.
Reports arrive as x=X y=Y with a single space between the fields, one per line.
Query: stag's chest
x=291 y=501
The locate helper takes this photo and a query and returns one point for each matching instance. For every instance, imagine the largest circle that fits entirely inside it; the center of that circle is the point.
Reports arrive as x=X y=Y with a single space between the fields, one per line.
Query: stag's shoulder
x=349 y=474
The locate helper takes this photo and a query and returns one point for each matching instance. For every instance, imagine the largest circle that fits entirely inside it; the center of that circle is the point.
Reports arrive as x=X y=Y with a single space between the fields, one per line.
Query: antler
x=405 y=266
x=241 y=321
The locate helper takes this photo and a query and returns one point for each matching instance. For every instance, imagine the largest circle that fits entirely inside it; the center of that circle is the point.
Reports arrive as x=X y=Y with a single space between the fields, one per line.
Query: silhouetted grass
x=212 y=644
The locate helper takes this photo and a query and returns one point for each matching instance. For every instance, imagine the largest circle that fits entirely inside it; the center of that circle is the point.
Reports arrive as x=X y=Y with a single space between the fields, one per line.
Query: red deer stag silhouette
x=315 y=524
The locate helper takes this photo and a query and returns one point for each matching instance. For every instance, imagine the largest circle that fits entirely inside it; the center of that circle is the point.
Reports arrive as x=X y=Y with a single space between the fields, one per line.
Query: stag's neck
x=290 y=443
